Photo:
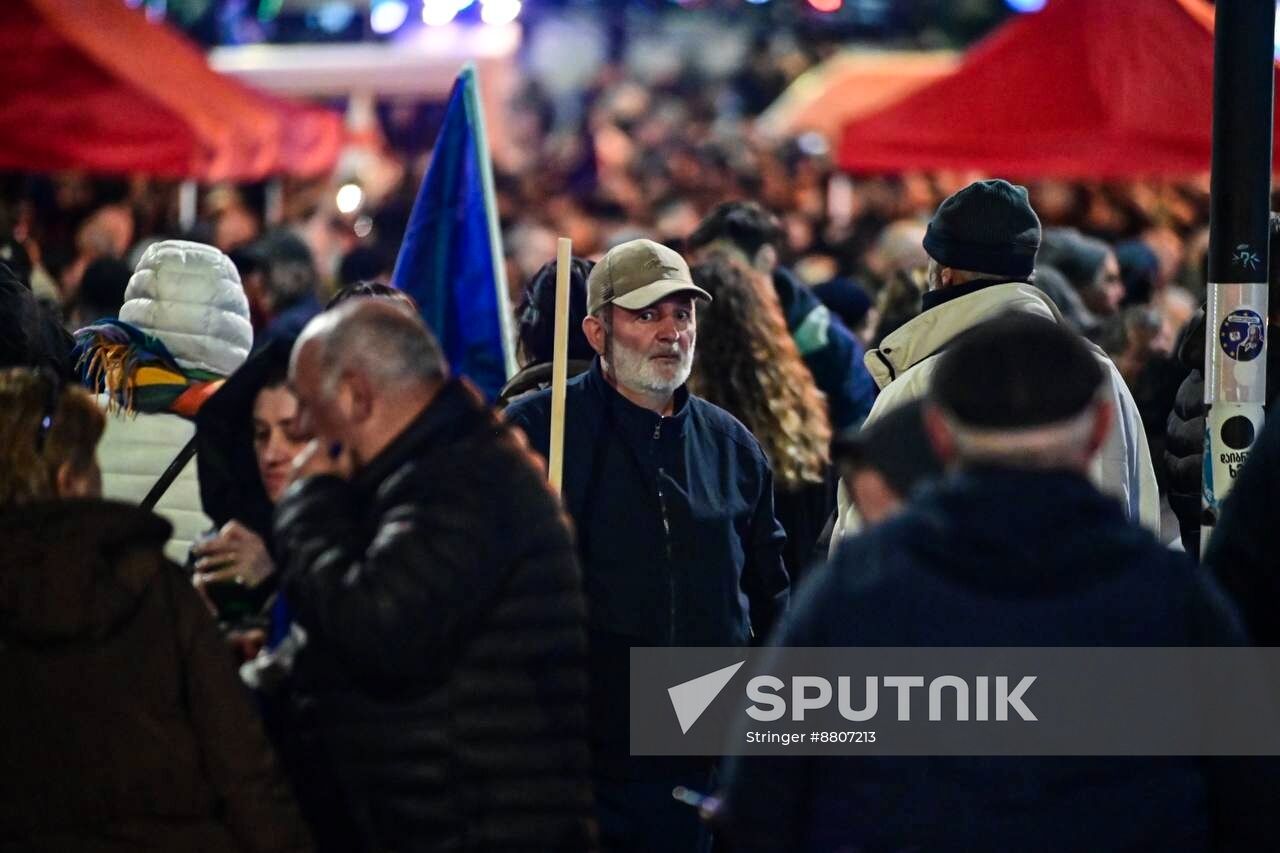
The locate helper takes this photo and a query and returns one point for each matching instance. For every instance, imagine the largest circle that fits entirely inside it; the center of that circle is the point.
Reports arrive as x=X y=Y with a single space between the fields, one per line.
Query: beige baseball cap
x=638 y=273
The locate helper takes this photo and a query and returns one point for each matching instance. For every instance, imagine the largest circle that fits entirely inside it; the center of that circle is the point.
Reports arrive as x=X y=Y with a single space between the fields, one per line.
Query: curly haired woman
x=748 y=364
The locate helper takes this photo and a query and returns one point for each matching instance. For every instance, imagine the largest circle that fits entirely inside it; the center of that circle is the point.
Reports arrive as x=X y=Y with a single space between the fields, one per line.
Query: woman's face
x=276 y=437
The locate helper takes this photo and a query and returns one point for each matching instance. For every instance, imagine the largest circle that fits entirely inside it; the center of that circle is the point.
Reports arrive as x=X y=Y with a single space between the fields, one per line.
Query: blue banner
x=451 y=257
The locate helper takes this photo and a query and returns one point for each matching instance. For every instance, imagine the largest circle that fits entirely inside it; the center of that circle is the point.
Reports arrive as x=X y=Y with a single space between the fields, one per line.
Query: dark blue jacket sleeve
x=534 y=421
x=830 y=351
x=764 y=577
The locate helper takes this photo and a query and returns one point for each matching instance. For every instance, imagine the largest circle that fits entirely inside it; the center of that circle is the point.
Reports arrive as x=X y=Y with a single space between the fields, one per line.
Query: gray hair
x=959 y=276
x=605 y=315
x=380 y=339
x=1049 y=447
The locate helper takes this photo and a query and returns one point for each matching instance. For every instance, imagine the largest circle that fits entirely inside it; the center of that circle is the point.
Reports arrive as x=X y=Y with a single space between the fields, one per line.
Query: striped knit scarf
x=137 y=371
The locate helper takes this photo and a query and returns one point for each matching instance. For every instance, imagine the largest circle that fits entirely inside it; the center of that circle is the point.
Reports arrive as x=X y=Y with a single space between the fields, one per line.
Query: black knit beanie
x=986 y=227
x=1015 y=372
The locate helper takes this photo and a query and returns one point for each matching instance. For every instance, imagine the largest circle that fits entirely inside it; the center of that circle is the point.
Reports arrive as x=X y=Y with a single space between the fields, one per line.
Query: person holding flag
x=673 y=503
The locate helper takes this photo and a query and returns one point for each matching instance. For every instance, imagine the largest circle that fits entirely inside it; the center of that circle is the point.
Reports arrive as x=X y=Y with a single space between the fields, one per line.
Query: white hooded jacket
x=189 y=296
x=903 y=367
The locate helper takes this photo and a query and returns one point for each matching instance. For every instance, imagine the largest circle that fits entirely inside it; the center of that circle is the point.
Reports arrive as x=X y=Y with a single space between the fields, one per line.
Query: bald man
x=436 y=582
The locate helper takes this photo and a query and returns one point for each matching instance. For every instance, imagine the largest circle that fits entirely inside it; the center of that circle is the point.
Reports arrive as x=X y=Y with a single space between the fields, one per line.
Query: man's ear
x=766 y=259
x=594 y=330
x=940 y=434
x=358 y=392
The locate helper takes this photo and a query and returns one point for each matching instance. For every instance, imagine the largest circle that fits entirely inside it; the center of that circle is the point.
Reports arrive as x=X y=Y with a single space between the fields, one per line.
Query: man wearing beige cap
x=673 y=503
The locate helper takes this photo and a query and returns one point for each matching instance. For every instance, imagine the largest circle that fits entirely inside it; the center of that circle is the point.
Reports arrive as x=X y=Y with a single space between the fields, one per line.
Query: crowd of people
x=804 y=409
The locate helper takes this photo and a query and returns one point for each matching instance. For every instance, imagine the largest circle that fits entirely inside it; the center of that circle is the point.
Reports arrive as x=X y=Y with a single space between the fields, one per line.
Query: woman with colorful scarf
x=183 y=328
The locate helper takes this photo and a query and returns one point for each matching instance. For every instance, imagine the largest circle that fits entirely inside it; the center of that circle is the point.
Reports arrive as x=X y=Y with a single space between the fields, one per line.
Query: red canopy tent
x=93 y=85
x=1084 y=88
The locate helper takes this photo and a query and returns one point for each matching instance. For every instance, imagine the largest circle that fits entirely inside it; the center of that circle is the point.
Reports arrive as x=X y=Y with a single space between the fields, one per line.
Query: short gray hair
x=381 y=339
x=959 y=276
x=1048 y=447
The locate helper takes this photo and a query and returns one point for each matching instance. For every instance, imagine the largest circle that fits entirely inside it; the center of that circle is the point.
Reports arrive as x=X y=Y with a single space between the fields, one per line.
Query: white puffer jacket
x=189 y=296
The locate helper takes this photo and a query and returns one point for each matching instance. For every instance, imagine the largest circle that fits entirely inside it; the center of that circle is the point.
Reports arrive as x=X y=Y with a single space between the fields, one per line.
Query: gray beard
x=635 y=370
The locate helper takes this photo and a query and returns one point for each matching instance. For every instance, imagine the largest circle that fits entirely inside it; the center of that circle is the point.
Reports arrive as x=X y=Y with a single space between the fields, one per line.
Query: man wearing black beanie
x=1014 y=547
x=982 y=244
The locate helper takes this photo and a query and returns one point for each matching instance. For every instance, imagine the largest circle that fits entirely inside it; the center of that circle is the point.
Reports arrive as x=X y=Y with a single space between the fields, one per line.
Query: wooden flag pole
x=560 y=362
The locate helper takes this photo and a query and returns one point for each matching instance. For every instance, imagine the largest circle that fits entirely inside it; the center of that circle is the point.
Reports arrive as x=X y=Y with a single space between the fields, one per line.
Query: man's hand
x=322 y=457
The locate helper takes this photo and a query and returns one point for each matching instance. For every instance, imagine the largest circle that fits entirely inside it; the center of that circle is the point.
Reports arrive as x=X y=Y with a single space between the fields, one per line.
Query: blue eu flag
x=451 y=257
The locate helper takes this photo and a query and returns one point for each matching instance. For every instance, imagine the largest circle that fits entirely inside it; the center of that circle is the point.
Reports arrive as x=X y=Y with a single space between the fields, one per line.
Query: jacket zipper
x=666 y=529
x=893 y=374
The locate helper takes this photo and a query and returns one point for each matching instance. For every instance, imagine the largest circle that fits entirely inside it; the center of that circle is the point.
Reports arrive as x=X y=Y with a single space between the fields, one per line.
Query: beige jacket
x=903 y=369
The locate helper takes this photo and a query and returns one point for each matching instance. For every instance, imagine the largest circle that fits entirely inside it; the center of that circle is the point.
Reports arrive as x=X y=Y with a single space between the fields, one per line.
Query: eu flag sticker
x=1241 y=335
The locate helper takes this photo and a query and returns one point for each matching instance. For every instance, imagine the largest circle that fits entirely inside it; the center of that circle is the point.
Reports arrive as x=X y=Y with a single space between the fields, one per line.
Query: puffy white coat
x=903 y=368
x=189 y=296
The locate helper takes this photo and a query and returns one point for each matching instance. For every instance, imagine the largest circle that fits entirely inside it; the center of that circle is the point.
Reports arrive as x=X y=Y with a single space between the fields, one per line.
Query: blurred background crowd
x=611 y=121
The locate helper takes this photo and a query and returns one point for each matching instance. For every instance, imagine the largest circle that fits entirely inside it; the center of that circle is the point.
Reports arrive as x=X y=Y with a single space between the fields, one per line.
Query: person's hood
x=1067 y=298
x=1075 y=255
x=989 y=527
x=535 y=377
x=847 y=298
x=72 y=570
x=230 y=486
x=189 y=296
x=931 y=330
x=30 y=336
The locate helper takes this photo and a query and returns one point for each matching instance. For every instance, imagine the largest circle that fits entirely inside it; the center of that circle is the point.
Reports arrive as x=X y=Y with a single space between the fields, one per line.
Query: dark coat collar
x=934 y=298
x=456 y=411
x=637 y=419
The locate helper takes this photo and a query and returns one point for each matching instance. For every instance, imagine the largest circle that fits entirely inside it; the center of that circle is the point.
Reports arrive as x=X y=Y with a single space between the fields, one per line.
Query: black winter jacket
x=441 y=693
x=676 y=530
x=1005 y=558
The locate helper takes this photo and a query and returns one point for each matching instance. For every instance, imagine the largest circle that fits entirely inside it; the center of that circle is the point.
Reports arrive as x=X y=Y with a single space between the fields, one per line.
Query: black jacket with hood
x=230 y=485
x=123 y=725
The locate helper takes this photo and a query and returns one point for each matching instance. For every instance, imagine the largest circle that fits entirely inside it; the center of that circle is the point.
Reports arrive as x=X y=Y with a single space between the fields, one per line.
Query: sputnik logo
x=691 y=698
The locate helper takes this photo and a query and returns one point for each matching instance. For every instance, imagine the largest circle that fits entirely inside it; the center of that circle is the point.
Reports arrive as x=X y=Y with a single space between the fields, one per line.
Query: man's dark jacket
x=675 y=525
x=442 y=693
x=830 y=351
x=1001 y=558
